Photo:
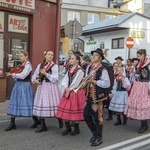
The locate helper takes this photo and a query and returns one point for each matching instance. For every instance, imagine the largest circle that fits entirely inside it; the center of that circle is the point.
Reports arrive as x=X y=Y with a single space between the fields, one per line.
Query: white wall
x=134 y=6
x=107 y=37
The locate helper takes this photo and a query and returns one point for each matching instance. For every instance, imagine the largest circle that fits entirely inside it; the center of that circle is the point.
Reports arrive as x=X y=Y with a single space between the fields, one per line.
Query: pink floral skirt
x=138 y=104
x=72 y=108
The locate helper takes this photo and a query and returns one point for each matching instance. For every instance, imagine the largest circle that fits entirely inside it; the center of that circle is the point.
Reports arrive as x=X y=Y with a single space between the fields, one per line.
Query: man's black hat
x=99 y=51
x=119 y=57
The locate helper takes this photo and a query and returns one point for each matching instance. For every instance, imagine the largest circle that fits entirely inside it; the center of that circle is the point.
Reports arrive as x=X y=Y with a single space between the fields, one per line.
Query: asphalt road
x=114 y=138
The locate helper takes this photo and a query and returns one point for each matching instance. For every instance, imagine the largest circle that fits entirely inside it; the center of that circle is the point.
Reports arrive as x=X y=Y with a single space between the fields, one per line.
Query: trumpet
x=85 y=81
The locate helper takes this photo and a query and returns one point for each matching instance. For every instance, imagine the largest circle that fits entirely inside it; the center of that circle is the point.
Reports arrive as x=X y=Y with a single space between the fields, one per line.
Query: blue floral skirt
x=21 y=100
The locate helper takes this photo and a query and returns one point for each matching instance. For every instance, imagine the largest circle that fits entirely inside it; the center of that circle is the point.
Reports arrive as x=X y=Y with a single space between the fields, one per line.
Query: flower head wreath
x=45 y=52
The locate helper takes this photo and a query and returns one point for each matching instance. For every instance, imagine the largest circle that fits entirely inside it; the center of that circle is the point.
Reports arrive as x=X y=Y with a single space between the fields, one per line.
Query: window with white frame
x=73 y=14
x=93 y=18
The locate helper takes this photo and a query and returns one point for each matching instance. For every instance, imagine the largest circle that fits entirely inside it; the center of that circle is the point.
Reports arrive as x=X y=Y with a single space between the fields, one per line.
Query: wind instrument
x=85 y=81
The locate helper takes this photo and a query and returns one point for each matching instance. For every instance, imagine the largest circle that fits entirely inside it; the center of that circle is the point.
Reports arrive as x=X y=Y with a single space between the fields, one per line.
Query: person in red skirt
x=72 y=104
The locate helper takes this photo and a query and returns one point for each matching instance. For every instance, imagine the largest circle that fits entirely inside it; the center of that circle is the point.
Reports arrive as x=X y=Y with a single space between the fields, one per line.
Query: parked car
x=62 y=58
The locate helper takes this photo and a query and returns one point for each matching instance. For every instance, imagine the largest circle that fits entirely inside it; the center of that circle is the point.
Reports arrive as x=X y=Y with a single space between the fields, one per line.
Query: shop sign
x=17 y=24
x=138 y=34
x=21 y=5
x=1 y=21
x=91 y=41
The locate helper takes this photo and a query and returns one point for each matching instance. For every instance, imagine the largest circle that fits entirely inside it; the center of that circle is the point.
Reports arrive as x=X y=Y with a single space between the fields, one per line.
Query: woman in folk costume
x=120 y=96
x=67 y=63
x=115 y=73
x=72 y=104
x=138 y=105
x=130 y=70
x=21 y=100
x=47 y=95
x=65 y=70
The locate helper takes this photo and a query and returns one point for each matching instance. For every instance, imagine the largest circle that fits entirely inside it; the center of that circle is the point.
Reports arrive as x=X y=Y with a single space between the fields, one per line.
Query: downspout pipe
x=57 y=42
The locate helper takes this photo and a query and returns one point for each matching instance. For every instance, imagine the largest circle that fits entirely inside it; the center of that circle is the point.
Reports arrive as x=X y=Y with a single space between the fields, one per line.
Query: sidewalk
x=3 y=110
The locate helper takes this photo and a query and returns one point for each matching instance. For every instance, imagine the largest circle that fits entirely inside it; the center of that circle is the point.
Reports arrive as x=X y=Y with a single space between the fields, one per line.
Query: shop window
x=15 y=47
x=73 y=14
x=117 y=43
x=93 y=18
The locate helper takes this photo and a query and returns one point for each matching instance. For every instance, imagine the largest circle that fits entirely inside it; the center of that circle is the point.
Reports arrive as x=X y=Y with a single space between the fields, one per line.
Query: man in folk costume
x=95 y=92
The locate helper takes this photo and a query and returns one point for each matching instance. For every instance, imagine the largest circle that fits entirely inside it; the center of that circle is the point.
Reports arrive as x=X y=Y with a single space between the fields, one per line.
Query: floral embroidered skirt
x=119 y=100
x=21 y=100
x=138 y=105
x=71 y=109
x=46 y=100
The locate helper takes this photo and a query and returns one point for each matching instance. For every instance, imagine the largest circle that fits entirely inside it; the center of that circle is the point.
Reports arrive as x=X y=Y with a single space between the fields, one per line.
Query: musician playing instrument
x=95 y=92
x=47 y=96
x=21 y=100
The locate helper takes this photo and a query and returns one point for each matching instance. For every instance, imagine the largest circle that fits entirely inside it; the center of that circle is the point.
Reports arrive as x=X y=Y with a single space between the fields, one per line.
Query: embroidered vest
x=98 y=93
x=50 y=72
x=145 y=74
x=120 y=86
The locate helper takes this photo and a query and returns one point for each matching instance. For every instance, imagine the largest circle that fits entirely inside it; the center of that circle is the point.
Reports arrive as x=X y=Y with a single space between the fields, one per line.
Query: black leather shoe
x=93 y=138
x=97 y=142
x=109 y=118
x=36 y=122
x=142 y=129
x=60 y=121
x=76 y=129
x=41 y=129
x=67 y=130
x=11 y=127
x=117 y=123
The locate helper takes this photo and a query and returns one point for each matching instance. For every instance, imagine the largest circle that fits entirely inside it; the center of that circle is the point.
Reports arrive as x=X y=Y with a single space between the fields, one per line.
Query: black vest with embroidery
x=72 y=77
x=99 y=92
x=120 y=86
x=145 y=73
x=49 y=72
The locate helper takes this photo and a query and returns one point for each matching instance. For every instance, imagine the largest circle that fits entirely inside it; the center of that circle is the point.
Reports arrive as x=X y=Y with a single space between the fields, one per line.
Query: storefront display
x=27 y=25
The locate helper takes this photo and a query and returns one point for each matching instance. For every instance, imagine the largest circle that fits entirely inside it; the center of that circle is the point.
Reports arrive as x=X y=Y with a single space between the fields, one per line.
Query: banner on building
x=22 y=5
x=1 y=21
x=18 y=24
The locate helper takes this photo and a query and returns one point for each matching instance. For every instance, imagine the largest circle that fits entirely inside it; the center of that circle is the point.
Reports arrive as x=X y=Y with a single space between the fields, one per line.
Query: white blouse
x=26 y=71
x=76 y=81
x=53 y=77
x=104 y=81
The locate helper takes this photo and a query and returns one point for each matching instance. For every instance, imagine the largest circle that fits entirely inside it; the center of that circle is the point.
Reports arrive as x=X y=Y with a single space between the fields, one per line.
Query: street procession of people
x=82 y=93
